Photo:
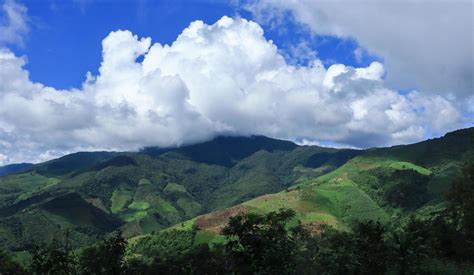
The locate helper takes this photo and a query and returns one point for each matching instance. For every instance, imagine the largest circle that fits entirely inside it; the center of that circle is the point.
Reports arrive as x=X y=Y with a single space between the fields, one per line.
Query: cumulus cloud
x=13 y=23
x=224 y=78
x=426 y=45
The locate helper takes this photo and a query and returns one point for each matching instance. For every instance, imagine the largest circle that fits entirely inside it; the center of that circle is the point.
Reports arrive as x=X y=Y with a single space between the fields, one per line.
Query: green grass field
x=120 y=199
x=174 y=188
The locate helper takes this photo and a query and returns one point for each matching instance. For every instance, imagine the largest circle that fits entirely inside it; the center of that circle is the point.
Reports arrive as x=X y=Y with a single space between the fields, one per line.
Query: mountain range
x=90 y=194
x=12 y=168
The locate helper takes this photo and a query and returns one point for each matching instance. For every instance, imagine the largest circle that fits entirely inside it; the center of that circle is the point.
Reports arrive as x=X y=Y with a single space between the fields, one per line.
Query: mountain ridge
x=142 y=192
x=379 y=185
x=13 y=168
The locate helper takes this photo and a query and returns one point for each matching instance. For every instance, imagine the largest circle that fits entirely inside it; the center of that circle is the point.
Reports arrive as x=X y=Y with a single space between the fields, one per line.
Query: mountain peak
x=226 y=150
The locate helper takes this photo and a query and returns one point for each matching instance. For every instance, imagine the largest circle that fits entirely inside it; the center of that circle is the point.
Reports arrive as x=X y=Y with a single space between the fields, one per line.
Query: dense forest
x=439 y=243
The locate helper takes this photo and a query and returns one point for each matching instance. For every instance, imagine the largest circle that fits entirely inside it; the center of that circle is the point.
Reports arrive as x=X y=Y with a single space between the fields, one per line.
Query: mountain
x=13 y=168
x=227 y=151
x=92 y=194
x=384 y=184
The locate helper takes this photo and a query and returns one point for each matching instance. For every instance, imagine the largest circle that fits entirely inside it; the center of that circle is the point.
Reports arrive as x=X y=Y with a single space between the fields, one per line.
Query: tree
x=372 y=249
x=337 y=252
x=461 y=200
x=8 y=266
x=202 y=260
x=261 y=244
x=411 y=246
x=307 y=248
x=54 y=258
x=105 y=258
x=460 y=209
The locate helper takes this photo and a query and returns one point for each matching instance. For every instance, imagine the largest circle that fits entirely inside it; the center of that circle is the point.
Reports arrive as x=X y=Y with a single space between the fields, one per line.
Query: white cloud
x=13 y=23
x=426 y=45
x=224 y=78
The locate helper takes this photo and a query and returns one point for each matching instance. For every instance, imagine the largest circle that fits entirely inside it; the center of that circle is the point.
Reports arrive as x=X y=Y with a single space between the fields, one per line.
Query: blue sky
x=65 y=37
x=334 y=73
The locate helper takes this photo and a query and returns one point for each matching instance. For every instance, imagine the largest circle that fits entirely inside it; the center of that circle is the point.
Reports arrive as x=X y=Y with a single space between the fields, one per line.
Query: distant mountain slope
x=146 y=191
x=379 y=184
x=154 y=188
x=72 y=163
x=455 y=145
x=226 y=151
x=13 y=168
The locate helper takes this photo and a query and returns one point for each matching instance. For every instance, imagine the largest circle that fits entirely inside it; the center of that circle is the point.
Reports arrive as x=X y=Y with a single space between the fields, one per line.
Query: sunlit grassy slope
x=377 y=185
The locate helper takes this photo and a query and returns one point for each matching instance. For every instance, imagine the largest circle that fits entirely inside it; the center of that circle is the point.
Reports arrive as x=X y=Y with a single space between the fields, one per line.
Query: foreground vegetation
x=270 y=244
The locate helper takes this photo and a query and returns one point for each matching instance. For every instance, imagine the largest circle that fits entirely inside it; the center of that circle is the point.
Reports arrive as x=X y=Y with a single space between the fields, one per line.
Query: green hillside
x=386 y=184
x=93 y=194
x=142 y=192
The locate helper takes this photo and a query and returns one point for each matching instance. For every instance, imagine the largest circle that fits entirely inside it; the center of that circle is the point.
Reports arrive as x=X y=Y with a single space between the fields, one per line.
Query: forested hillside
x=196 y=189
x=12 y=168
x=91 y=194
